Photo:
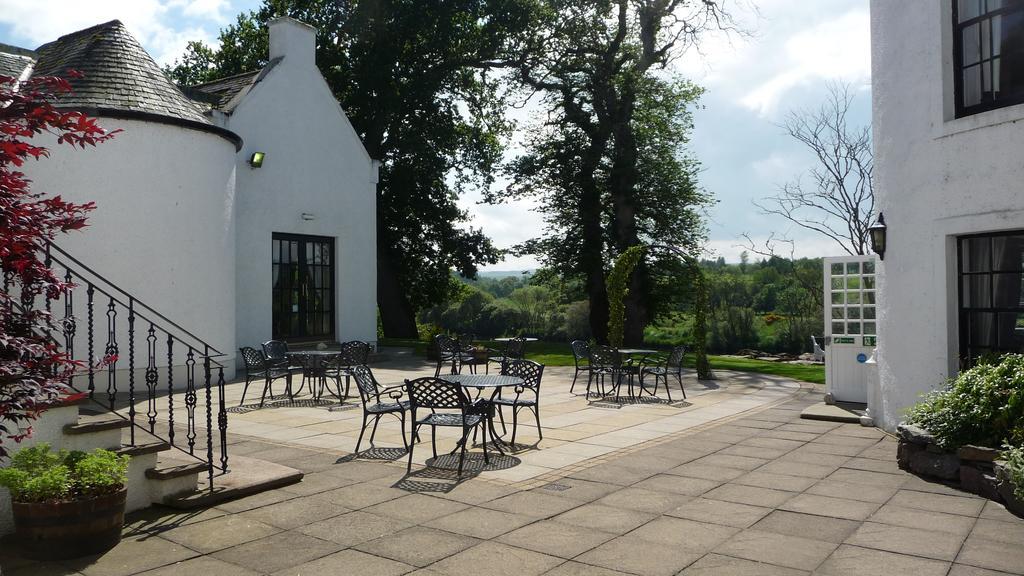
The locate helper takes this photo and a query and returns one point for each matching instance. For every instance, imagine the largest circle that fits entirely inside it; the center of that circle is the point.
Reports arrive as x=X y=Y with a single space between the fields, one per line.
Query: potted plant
x=66 y=504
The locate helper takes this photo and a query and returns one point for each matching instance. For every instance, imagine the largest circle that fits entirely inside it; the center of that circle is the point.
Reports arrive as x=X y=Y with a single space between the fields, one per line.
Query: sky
x=793 y=49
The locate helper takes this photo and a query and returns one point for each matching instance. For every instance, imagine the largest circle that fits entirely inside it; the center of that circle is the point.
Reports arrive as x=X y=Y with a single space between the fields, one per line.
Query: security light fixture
x=256 y=160
x=876 y=233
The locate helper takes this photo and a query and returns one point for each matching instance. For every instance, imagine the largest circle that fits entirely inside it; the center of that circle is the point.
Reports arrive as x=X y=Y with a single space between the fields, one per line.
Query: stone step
x=246 y=476
x=141 y=448
x=89 y=424
x=176 y=470
x=838 y=412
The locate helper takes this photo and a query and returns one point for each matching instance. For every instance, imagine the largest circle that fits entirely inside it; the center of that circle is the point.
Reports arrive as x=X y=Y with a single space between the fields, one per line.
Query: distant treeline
x=773 y=304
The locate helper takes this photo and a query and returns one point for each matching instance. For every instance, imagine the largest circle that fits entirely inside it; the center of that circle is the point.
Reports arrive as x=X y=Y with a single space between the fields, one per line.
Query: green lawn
x=559 y=354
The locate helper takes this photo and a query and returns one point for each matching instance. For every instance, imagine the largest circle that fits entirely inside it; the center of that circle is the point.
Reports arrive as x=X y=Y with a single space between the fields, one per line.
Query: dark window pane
x=967 y=9
x=1006 y=290
x=972 y=86
x=974 y=254
x=1011 y=48
x=977 y=291
x=970 y=38
x=1008 y=253
x=981 y=328
x=1011 y=332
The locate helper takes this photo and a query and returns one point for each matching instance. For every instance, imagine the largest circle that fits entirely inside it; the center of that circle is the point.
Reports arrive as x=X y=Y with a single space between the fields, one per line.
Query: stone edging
x=975 y=469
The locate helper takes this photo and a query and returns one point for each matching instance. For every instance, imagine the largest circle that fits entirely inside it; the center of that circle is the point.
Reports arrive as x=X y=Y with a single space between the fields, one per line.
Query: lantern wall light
x=256 y=160
x=876 y=234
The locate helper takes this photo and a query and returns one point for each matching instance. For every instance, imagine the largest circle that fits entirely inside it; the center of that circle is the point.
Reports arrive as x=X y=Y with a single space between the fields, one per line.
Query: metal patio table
x=322 y=358
x=481 y=382
x=643 y=353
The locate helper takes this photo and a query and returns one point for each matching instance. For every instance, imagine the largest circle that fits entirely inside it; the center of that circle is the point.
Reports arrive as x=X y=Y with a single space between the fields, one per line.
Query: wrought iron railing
x=172 y=355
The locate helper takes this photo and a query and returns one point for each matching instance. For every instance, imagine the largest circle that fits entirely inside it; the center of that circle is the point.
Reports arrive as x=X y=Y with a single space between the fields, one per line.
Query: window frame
x=327 y=271
x=964 y=350
x=961 y=111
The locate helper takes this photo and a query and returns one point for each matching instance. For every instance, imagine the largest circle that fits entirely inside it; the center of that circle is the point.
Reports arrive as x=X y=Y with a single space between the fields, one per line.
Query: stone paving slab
x=648 y=509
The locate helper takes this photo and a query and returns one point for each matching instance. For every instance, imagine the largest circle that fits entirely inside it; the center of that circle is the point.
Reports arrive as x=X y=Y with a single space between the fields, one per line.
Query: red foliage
x=33 y=369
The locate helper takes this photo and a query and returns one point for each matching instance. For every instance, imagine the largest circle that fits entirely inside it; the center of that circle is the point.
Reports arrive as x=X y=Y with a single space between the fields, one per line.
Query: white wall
x=163 y=229
x=936 y=177
x=314 y=164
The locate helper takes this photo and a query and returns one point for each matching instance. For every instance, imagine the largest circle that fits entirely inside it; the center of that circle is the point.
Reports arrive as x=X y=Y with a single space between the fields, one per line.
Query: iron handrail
x=132 y=301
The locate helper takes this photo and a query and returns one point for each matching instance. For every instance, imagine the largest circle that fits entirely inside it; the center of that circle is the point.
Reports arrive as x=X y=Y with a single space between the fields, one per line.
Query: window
x=991 y=268
x=988 y=51
x=302 y=268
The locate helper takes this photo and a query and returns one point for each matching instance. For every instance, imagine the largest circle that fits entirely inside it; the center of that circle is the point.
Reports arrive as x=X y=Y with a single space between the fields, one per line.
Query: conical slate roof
x=119 y=76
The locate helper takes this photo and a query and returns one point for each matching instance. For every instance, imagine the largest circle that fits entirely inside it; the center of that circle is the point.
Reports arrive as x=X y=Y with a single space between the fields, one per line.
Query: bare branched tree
x=839 y=202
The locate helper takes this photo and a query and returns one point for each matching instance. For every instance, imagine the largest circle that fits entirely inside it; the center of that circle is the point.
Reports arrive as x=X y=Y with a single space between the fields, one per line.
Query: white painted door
x=850 y=326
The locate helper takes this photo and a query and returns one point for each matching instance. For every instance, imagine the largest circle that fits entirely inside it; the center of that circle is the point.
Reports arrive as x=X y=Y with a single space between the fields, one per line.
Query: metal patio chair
x=353 y=353
x=581 y=358
x=527 y=395
x=515 y=349
x=448 y=350
x=370 y=393
x=604 y=362
x=258 y=366
x=672 y=367
x=438 y=394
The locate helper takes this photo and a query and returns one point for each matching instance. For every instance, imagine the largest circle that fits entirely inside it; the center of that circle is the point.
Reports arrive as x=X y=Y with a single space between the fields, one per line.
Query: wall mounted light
x=308 y=216
x=876 y=233
x=256 y=160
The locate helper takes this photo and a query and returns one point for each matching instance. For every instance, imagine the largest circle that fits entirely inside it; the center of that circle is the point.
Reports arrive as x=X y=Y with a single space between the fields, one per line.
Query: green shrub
x=1014 y=456
x=37 y=474
x=983 y=405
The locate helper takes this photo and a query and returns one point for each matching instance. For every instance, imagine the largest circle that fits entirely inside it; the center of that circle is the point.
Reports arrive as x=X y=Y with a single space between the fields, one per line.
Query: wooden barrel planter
x=62 y=530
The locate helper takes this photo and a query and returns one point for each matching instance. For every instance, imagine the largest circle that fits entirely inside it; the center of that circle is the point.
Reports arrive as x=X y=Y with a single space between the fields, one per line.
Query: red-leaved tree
x=34 y=371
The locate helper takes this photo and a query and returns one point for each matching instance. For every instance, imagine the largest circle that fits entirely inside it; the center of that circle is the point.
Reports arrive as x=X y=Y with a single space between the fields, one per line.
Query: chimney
x=294 y=39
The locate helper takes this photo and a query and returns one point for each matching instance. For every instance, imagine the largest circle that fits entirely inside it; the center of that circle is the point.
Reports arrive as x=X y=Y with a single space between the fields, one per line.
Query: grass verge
x=559 y=354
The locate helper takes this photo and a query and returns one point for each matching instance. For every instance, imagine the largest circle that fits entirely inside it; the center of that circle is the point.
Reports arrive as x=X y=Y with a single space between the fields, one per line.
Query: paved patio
x=754 y=492
x=576 y=431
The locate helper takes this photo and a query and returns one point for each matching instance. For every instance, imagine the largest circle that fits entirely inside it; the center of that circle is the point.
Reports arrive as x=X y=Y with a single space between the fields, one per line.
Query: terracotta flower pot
x=61 y=530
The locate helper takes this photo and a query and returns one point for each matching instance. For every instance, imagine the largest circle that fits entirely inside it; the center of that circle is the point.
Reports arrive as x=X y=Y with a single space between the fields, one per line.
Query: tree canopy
x=608 y=160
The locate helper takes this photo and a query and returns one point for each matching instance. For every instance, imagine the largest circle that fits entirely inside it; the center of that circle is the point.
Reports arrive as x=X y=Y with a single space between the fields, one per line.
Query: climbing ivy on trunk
x=618 y=288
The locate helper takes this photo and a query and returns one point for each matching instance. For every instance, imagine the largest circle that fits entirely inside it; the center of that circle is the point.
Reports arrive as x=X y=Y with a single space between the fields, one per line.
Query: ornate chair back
x=531 y=372
x=580 y=352
x=276 y=351
x=436 y=394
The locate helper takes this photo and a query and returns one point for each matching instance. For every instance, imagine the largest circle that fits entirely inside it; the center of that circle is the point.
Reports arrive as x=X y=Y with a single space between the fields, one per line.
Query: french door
x=303 y=287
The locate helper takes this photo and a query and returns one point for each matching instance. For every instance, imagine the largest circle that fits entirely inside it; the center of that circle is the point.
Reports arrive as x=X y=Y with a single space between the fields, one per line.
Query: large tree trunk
x=397 y=317
x=623 y=182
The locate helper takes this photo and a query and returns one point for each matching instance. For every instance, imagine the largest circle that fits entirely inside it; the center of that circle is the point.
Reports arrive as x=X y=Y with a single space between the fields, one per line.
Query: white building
x=234 y=253
x=948 y=89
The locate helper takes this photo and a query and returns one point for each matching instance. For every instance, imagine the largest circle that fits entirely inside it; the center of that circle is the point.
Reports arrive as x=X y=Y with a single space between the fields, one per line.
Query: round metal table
x=483 y=382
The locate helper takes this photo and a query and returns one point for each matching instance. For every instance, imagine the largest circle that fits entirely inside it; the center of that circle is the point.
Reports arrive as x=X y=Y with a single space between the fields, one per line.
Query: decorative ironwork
x=152 y=377
x=110 y=353
x=131 y=368
x=209 y=413
x=90 y=293
x=170 y=390
x=69 y=322
x=107 y=355
x=222 y=420
x=190 y=399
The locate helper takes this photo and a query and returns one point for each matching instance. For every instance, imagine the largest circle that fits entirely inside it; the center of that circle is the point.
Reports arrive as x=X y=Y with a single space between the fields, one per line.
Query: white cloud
x=210 y=9
x=834 y=49
x=156 y=24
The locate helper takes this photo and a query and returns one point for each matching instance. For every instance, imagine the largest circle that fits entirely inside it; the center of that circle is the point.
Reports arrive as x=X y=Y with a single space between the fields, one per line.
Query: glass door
x=303 y=287
x=851 y=325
